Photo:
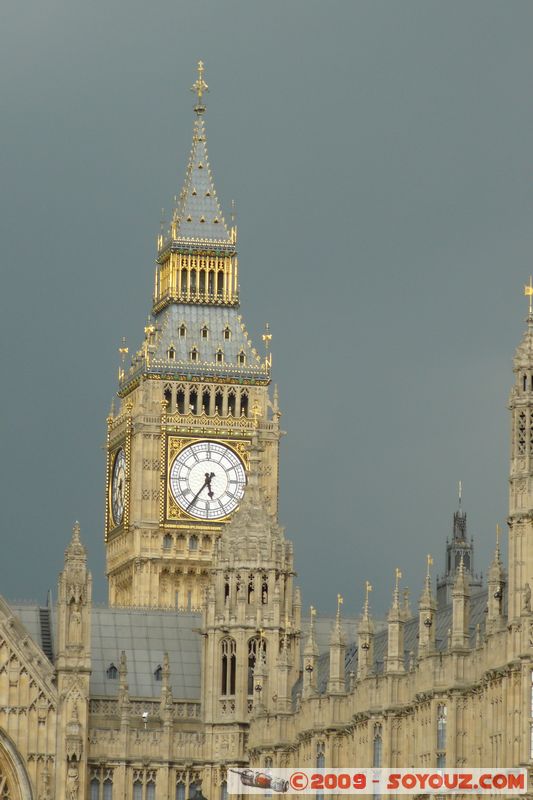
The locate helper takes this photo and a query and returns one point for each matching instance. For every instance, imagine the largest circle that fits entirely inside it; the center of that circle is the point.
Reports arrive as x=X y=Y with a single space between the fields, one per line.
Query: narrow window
x=219 y=356
x=202 y=281
x=264 y=590
x=95 y=789
x=223 y=791
x=167 y=541
x=231 y=404
x=183 y=281
x=193 y=280
x=193 y=401
x=193 y=542
x=218 y=402
x=171 y=354
x=205 y=332
x=158 y=673
x=211 y=280
x=150 y=790
x=206 y=400
x=525 y=382
x=180 y=401
x=183 y=330
x=194 y=354
x=227 y=332
x=138 y=790
x=108 y=789
x=180 y=791
x=220 y=283
x=229 y=665
x=168 y=396
x=244 y=405
x=242 y=358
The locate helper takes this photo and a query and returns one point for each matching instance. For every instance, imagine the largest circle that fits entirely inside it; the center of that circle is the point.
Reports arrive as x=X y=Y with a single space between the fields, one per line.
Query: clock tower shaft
x=196 y=386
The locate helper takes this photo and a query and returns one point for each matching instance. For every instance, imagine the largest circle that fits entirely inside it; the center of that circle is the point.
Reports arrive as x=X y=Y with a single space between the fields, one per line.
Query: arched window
x=101 y=784
x=206 y=401
x=202 y=281
x=241 y=358
x=193 y=401
x=264 y=590
x=194 y=354
x=251 y=588
x=220 y=283
x=218 y=401
x=211 y=286
x=228 y=649
x=244 y=404
x=204 y=331
x=256 y=646
x=227 y=333
x=231 y=403
x=180 y=401
x=219 y=356
x=193 y=280
x=180 y=791
x=158 y=673
x=150 y=789
x=223 y=791
x=183 y=330
x=183 y=281
x=171 y=353
x=112 y=672
x=524 y=380
x=193 y=542
x=168 y=396
x=167 y=541
x=226 y=587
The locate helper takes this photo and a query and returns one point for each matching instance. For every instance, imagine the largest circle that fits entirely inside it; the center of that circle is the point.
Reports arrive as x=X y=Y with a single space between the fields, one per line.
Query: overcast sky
x=379 y=154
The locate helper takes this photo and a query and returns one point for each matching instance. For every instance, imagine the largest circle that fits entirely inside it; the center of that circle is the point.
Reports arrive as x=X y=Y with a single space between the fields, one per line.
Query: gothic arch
x=14 y=780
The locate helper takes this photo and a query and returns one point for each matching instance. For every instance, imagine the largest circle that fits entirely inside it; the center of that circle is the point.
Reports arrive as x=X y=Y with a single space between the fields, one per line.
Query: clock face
x=118 y=487
x=207 y=480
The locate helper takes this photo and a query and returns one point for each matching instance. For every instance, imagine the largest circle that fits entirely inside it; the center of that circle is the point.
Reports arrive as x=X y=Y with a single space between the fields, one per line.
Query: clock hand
x=208 y=479
x=197 y=495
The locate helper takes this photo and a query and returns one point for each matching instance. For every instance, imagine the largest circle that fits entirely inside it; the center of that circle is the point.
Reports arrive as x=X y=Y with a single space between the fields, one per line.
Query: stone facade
x=197 y=665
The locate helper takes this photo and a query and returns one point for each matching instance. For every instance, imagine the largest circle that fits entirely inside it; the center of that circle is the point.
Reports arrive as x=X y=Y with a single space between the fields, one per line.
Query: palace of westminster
x=201 y=661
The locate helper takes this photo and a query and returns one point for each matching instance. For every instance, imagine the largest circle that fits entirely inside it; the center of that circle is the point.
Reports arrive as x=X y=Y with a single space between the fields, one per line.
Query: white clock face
x=118 y=487
x=207 y=480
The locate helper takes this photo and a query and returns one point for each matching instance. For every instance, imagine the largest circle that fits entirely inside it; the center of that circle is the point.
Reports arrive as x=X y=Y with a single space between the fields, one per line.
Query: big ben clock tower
x=190 y=401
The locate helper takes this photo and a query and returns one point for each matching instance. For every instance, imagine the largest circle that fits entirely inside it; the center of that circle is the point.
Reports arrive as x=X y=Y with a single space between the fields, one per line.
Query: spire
x=197 y=215
x=427 y=615
x=496 y=589
x=395 y=651
x=336 y=682
x=310 y=657
x=461 y=608
x=75 y=550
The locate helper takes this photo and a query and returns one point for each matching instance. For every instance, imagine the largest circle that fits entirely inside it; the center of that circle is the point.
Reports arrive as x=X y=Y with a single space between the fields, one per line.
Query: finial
x=460 y=493
x=340 y=601
x=429 y=560
x=528 y=291
x=498 y=534
x=368 y=589
x=398 y=575
x=199 y=87
x=267 y=338
x=123 y=350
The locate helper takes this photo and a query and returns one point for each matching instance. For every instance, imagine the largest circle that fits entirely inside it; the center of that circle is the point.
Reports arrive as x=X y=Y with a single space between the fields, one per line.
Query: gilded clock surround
x=174 y=446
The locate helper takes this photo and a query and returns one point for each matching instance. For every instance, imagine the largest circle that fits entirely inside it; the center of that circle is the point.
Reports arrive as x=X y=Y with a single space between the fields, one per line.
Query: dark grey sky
x=380 y=157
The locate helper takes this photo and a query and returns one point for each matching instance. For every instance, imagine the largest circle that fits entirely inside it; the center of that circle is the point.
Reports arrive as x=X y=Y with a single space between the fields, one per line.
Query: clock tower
x=192 y=398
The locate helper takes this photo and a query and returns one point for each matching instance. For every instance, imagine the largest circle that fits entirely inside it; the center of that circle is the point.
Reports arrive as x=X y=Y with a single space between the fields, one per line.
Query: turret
x=310 y=658
x=365 y=638
x=337 y=649
x=394 y=661
x=427 y=608
x=461 y=610
x=73 y=666
x=496 y=590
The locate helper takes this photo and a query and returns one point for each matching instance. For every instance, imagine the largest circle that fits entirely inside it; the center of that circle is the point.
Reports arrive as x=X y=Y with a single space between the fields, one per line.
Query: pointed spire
x=75 y=550
x=197 y=215
x=337 y=681
x=395 y=654
x=311 y=653
x=427 y=615
x=496 y=588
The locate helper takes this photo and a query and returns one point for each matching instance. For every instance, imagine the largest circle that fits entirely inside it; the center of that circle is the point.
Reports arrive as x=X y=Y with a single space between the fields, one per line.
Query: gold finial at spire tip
x=200 y=87
x=429 y=559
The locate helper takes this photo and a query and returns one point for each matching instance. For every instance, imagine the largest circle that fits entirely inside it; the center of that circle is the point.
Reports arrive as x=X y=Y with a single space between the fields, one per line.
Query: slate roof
x=145 y=636
x=198 y=213
x=194 y=317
